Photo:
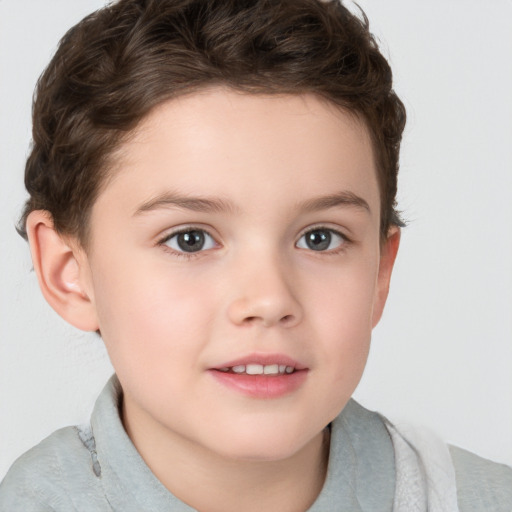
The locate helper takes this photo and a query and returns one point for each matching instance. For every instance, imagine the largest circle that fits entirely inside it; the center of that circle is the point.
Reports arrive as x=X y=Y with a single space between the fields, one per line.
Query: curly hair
x=112 y=68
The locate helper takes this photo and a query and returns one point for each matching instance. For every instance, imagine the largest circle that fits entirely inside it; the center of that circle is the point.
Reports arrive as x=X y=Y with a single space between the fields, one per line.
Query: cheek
x=149 y=317
x=342 y=326
x=344 y=297
x=341 y=313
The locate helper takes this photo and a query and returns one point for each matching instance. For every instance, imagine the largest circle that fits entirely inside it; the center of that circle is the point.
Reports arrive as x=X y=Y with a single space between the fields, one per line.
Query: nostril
x=283 y=320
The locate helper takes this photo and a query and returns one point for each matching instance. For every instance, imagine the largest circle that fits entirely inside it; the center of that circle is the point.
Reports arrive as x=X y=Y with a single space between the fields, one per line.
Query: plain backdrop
x=442 y=355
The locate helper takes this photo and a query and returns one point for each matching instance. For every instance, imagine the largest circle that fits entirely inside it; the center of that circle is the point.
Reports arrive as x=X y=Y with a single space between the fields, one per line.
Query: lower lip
x=261 y=386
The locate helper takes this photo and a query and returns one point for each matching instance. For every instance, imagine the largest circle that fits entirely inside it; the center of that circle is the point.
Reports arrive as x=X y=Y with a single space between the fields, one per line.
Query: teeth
x=259 y=369
x=254 y=369
x=271 y=369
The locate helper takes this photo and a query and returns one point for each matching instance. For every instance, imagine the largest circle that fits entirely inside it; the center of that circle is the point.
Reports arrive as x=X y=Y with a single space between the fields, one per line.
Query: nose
x=263 y=296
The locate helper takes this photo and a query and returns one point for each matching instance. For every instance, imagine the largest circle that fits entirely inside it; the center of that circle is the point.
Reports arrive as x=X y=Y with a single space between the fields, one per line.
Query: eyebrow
x=218 y=205
x=196 y=204
x=343 y=198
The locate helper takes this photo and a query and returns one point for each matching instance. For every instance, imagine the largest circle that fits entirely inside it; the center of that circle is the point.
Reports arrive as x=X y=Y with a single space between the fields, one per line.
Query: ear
x=59 y=265
x=388 y=252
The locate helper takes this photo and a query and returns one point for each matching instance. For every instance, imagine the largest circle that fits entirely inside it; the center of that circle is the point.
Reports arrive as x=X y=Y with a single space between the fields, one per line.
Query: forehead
x=253 y=147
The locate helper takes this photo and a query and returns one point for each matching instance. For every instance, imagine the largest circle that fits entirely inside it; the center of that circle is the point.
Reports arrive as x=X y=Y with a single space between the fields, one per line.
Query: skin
x=168 y=317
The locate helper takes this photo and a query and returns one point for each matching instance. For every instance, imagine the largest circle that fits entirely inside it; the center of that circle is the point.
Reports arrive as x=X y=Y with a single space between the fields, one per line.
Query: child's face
x=277 y=203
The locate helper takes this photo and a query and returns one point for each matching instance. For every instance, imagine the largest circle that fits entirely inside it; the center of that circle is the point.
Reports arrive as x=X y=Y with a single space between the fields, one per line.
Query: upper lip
x=263 y=359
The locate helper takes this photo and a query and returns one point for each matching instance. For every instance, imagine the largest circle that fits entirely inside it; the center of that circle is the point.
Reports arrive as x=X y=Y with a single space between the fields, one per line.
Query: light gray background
x=442 y=355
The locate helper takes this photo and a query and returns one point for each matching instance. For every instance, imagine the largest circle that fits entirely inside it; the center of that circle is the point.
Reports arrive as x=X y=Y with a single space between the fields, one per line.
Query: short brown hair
x=117 y=64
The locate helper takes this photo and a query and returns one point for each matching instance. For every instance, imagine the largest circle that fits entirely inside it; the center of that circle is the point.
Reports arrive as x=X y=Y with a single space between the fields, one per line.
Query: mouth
x=259 y=369
x=262 y=376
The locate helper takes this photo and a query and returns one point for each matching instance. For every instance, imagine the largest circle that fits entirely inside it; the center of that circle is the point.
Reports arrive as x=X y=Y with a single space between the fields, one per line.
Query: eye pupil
x=191 y=241
x=318 y=240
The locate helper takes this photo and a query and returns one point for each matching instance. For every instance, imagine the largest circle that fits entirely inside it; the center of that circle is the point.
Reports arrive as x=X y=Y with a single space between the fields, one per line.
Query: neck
x=207 y=481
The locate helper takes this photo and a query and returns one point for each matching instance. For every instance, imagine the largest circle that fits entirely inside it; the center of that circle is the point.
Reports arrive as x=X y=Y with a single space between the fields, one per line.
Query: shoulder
x=481 y=483
x=474 y=483
x=51 y=476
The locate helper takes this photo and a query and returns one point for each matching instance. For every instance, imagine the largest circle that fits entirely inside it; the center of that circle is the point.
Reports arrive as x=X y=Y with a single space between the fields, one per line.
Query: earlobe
x=388 y=254
x=59 y=272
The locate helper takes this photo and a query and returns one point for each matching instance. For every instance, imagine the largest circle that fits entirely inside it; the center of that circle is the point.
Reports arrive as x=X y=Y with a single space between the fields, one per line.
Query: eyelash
x=332 y=252
x=191 y=255
x=182 y=254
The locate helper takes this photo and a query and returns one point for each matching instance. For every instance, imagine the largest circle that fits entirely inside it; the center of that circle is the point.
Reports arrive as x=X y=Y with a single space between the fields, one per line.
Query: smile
x=261 y=376
x=259 y=369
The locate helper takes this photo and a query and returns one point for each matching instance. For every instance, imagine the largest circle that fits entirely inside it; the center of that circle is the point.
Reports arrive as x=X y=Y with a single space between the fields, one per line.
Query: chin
x=261 y=453
x=262 y=445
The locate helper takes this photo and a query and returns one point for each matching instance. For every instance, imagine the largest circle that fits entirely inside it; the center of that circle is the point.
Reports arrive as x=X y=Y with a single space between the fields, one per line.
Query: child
x=212 y=189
